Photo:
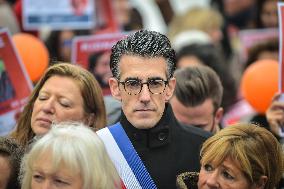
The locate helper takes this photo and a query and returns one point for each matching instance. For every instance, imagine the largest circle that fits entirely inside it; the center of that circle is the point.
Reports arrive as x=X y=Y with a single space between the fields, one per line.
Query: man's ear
x=114 y=88
x=219 y=115
x=169 y=91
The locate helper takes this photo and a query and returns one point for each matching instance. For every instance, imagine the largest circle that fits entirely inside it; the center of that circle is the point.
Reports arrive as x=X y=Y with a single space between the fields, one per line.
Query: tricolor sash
x=125 y=158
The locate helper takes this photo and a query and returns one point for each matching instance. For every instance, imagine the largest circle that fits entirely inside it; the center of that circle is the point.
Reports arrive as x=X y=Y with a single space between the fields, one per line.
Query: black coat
x=167 y=149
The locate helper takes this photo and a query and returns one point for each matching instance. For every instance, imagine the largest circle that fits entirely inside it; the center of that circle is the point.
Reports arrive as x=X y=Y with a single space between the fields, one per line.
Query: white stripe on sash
x=118 y=159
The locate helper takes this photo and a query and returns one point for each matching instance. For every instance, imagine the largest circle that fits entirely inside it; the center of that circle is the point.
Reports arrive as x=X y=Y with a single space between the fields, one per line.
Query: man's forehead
x=142 y=58
x=143 y=67
x=143 y=75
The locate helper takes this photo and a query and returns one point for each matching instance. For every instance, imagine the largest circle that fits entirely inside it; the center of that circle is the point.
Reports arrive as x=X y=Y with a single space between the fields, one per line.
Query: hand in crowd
x=275 y=115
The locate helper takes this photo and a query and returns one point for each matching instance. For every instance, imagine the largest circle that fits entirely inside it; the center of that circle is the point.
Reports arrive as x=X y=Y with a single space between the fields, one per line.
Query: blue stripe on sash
x=131 y=156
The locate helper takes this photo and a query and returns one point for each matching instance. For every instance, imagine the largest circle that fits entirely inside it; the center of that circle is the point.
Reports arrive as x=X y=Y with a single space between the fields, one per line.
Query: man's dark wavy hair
x=143 y=43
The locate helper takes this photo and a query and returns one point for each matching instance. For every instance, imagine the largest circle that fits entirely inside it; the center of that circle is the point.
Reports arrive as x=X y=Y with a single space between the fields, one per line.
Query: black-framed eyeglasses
x=134 y=86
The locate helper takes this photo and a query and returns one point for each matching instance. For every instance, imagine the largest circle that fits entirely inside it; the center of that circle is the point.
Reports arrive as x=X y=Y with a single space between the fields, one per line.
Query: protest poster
x=93 y=54
x=57 y=15
x=106 y=22
x=84 y=46
x=251 y=37
x=15 y=85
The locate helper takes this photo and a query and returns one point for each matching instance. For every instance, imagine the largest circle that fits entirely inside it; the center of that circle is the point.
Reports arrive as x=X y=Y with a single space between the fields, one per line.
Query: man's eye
x=156 y=83
x=132 y=83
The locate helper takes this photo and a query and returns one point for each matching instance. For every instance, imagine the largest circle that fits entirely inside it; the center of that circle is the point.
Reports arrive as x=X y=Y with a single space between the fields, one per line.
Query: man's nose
x=145 y=94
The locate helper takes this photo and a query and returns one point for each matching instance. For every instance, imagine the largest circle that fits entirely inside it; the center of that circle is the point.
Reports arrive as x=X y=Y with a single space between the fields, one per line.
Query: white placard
x=58 y=14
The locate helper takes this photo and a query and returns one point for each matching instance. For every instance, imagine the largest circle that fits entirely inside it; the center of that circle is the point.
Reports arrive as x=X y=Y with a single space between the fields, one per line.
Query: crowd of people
x=148 y=113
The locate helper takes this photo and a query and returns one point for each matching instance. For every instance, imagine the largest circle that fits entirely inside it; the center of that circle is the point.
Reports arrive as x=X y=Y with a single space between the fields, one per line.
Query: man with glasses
x=197 y=97
x=148 y=146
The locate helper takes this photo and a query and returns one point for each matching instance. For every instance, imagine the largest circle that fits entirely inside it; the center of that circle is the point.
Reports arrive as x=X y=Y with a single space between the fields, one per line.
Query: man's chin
x=144 y=123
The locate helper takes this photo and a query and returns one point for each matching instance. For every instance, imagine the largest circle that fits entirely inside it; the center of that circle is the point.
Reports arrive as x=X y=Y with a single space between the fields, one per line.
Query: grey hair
x=80 y=149
x=143 y=43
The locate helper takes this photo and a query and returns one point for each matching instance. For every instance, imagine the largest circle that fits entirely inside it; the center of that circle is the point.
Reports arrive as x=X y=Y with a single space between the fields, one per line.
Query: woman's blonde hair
x=90 y=90
x=196 y=18
x=79 y=149
x=256 y=151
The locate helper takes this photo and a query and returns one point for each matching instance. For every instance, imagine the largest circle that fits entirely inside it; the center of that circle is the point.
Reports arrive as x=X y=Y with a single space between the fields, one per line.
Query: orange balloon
x=259 y=83
x=33 y=54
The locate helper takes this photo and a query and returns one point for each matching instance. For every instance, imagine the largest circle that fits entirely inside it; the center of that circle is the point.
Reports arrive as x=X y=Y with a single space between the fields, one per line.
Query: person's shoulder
x=194 y=131
x=113 y=109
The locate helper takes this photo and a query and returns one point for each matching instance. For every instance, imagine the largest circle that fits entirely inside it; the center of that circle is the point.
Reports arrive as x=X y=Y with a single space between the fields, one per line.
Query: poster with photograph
x=84 y=46
x=55 y=14
x=106 y=22
x=15 y=85
x=251 y=37
x=93 y=53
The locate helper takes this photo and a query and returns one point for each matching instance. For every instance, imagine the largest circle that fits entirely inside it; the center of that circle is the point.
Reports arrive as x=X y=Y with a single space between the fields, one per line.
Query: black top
x=167 y=149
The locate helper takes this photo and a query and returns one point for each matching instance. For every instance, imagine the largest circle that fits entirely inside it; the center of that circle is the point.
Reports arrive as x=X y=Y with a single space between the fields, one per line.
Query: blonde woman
x=65 y=92
x=240 y=156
